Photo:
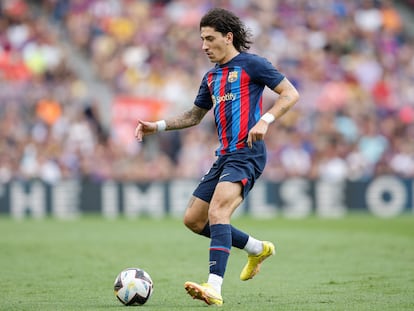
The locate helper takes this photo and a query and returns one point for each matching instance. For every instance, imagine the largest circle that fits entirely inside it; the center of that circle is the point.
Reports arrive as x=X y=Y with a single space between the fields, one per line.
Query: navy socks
x=238 y=238
x=220 y=245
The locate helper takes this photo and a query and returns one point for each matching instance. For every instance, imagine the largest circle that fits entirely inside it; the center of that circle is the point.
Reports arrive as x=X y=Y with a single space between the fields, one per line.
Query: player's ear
x=229 y=38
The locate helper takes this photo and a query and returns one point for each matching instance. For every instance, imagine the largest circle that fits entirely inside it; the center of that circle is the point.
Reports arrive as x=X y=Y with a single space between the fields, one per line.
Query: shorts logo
x=233 y=75
x=224 y=175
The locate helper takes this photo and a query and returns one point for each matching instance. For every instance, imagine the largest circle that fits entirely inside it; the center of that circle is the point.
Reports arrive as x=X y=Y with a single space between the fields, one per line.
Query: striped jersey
x=235 y=90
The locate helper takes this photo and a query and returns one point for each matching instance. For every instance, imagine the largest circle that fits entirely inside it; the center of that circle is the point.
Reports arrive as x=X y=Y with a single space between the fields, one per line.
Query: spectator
x=352 y=62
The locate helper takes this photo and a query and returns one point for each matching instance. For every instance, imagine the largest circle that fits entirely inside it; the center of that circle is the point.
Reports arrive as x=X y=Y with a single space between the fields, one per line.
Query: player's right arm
x=186 y=119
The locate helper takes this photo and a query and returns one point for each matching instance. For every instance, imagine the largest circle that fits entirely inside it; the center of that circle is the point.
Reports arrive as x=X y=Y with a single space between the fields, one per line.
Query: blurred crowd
x=352 y=61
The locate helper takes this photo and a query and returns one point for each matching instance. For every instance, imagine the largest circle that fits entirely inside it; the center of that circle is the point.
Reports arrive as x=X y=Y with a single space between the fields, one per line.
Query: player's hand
x=257 y=132
x=145 y=128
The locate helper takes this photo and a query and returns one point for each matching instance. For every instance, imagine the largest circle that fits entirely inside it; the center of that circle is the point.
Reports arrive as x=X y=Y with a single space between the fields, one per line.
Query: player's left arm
x=288 y=97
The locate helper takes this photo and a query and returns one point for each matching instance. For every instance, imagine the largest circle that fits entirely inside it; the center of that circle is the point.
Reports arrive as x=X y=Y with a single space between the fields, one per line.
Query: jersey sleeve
x=203 y=98
x=262 y=71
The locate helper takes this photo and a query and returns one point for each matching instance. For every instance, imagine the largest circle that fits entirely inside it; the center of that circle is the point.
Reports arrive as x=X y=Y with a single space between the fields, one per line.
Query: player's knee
x=219 y=214
x=192 y=224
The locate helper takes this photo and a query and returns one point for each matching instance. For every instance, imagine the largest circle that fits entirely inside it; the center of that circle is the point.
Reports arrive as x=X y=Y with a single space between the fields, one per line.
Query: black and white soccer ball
x=133 y=287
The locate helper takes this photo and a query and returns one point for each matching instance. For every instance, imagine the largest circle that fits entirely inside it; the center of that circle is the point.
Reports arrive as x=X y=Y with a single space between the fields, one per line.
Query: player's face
x=215 y=45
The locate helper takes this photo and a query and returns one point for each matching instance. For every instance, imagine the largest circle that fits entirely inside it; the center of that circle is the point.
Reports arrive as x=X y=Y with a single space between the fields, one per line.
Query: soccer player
x=233 y=89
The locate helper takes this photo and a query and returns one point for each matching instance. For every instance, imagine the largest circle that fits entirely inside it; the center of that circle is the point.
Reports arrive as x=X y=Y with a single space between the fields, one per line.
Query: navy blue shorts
x=244 y=165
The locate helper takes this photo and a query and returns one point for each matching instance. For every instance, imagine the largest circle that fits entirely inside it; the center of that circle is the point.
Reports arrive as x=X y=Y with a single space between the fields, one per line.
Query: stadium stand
x=352 y=61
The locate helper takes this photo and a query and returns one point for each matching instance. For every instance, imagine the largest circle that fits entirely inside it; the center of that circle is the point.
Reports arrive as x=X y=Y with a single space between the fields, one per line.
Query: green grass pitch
x=355 y=263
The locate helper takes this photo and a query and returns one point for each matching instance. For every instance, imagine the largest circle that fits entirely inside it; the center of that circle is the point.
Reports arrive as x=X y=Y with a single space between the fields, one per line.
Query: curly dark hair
x=224 y=22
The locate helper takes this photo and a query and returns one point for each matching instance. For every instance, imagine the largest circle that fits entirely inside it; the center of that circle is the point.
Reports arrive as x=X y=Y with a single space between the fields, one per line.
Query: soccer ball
x=133 y=287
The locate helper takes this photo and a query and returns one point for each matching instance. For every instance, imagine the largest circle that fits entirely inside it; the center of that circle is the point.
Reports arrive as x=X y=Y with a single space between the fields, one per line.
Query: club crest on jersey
x=233 y=75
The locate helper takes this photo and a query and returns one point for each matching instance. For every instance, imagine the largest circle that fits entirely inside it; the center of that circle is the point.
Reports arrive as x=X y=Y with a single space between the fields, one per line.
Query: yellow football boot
x=255 y=261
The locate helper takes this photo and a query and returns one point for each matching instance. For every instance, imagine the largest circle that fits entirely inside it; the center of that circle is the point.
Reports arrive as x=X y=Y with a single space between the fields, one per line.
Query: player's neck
x=230 y=55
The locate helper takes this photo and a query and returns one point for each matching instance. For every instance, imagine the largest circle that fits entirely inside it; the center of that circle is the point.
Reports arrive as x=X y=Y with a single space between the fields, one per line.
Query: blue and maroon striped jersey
x=234 y=90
